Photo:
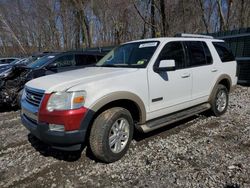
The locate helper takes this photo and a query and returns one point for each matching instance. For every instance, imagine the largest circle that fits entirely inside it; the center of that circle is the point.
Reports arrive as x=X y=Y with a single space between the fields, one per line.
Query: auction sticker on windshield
x=149 y=44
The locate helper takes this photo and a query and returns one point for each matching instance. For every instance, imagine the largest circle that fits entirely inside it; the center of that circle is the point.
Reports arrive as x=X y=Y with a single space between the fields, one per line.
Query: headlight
x=5 y=73
x=66 y=100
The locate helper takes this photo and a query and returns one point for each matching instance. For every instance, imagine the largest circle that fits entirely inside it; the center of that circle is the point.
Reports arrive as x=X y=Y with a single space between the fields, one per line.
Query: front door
x=171 y=90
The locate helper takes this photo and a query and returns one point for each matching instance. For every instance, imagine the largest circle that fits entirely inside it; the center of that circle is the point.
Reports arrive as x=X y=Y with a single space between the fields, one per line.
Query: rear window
x=224 y=51
x=83 y=59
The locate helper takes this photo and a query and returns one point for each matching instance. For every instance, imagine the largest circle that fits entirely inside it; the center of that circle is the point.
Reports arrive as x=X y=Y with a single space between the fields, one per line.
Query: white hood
x=65 y=80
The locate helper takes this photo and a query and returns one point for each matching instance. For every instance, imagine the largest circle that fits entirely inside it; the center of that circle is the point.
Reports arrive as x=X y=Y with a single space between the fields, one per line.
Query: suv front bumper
x=66 y=140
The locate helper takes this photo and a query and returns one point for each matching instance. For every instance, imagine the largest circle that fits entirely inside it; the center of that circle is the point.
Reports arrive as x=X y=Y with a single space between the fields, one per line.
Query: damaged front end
x=11 y=85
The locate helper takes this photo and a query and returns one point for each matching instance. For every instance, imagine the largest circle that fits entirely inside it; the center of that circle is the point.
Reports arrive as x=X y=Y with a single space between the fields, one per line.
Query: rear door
x=203 y=68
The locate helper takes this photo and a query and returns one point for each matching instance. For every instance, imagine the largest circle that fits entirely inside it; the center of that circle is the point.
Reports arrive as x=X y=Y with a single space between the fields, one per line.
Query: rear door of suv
x=204 y=69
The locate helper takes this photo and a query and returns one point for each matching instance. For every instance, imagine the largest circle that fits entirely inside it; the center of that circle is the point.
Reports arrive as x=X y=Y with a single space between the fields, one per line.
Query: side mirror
x=165 y=65
x=51 y=66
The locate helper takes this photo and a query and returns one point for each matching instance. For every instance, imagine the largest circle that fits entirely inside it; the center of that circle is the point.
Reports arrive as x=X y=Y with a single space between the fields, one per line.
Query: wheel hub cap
x=119 y=135
x=221 y=101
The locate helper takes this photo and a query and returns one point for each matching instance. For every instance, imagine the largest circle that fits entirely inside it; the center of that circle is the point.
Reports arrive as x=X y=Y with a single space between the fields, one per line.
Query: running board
x=174 y=117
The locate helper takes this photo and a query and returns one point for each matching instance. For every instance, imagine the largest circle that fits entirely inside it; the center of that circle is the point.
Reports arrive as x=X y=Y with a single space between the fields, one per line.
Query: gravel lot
x=201 y=151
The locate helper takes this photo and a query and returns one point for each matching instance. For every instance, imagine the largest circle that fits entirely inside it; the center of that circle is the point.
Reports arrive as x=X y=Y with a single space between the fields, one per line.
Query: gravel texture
x=200 y=151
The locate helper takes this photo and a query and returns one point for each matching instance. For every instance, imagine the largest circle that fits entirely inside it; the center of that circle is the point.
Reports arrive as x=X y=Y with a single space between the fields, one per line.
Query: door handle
x=214 y=70
x=185 y=75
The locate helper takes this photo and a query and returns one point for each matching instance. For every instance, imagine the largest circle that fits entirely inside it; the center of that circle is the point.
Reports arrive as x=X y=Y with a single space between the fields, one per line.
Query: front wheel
x=111 y=134
x=220 y=101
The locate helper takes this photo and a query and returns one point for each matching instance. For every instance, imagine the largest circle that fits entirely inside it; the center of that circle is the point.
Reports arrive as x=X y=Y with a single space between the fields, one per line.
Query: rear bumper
x=70 y=140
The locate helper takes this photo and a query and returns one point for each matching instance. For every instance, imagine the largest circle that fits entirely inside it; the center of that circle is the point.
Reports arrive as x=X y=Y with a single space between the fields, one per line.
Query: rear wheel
x=111 y=134
x=220 y=100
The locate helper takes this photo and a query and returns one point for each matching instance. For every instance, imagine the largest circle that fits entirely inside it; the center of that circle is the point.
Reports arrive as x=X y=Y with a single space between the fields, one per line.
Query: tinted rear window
x=224 y=51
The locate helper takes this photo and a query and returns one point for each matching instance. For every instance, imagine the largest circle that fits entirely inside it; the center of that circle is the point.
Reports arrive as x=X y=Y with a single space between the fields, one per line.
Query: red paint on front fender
x=71 y=119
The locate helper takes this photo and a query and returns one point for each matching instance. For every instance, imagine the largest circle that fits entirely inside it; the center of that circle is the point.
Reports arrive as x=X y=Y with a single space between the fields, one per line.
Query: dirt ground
x=201 y=151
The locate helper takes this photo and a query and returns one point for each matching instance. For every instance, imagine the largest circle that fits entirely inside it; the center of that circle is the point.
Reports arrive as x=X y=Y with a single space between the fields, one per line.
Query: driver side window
x=173 y=51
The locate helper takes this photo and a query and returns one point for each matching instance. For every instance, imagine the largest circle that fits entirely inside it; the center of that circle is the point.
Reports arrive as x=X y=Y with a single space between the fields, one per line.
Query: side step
x=174 y=117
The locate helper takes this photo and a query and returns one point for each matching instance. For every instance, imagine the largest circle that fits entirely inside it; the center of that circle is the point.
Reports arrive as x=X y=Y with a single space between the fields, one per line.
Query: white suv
x=144 y=84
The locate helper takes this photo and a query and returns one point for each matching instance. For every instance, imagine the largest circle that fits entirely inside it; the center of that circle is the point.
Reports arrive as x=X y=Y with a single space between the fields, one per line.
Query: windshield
x=15 y=62
x=136 y=54
x=40 y=62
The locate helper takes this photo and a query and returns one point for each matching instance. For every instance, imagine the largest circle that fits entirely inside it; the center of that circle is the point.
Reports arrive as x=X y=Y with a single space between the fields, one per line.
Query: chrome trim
x=34 y=96
x=33 y=116
x=35 y=90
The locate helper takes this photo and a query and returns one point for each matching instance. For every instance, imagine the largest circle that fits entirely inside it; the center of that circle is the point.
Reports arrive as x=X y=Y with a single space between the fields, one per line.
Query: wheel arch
x=127 y=100
x=120 y=97
x=224 y=80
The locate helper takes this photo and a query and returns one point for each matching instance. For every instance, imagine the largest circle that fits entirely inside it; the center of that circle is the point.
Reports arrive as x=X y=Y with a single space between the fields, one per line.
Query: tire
x=219 y=102
x=116 y=125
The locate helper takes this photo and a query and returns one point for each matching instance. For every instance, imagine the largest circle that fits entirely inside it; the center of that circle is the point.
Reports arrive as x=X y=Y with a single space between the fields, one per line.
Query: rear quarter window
x=224 y=52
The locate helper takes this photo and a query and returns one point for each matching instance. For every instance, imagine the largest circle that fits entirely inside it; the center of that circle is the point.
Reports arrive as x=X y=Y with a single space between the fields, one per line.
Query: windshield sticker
x=51 y=56
x=141 y=62
x=149 y=44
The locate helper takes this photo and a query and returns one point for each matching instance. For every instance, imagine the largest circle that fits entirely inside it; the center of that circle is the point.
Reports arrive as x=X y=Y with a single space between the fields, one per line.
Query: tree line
x=28 y=26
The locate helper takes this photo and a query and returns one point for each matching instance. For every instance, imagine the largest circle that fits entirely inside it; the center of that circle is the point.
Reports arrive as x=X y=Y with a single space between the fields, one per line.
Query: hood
x=4 y=67
x=66 y=80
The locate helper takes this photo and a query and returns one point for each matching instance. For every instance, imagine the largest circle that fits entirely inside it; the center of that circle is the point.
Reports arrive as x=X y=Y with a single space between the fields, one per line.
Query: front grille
x=33 y=97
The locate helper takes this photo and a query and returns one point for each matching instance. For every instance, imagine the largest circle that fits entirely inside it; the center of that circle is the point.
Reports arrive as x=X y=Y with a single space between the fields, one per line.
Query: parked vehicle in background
x=12 y=79
x=145 y=84
x=4 y=61
x=239 y=42
x=18 y=62
x=6 y=68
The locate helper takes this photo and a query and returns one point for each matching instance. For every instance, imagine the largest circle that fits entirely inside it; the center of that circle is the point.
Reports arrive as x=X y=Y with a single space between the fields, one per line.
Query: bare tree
x=73 y=24
x=153 y=33
x=203 y=15
x=163 y=18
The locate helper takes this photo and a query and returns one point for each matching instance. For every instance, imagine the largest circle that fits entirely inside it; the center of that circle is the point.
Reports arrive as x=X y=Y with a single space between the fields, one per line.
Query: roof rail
x=193 y=36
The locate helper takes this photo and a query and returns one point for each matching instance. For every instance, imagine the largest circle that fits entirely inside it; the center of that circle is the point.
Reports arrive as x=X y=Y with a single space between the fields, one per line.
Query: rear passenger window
x=82 y=59
x=199 y=53
x=224 y=52
x=173 y=51
x=208 y=55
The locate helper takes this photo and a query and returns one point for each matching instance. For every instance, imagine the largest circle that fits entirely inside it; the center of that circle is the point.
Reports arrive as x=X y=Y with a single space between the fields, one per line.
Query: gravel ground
x=200 y=151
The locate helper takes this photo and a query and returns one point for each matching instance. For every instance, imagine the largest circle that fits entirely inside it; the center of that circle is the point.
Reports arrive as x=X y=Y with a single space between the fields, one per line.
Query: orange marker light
x=79 y=99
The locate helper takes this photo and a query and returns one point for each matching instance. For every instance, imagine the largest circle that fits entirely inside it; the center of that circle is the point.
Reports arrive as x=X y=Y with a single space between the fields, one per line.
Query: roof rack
x=193 y=36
